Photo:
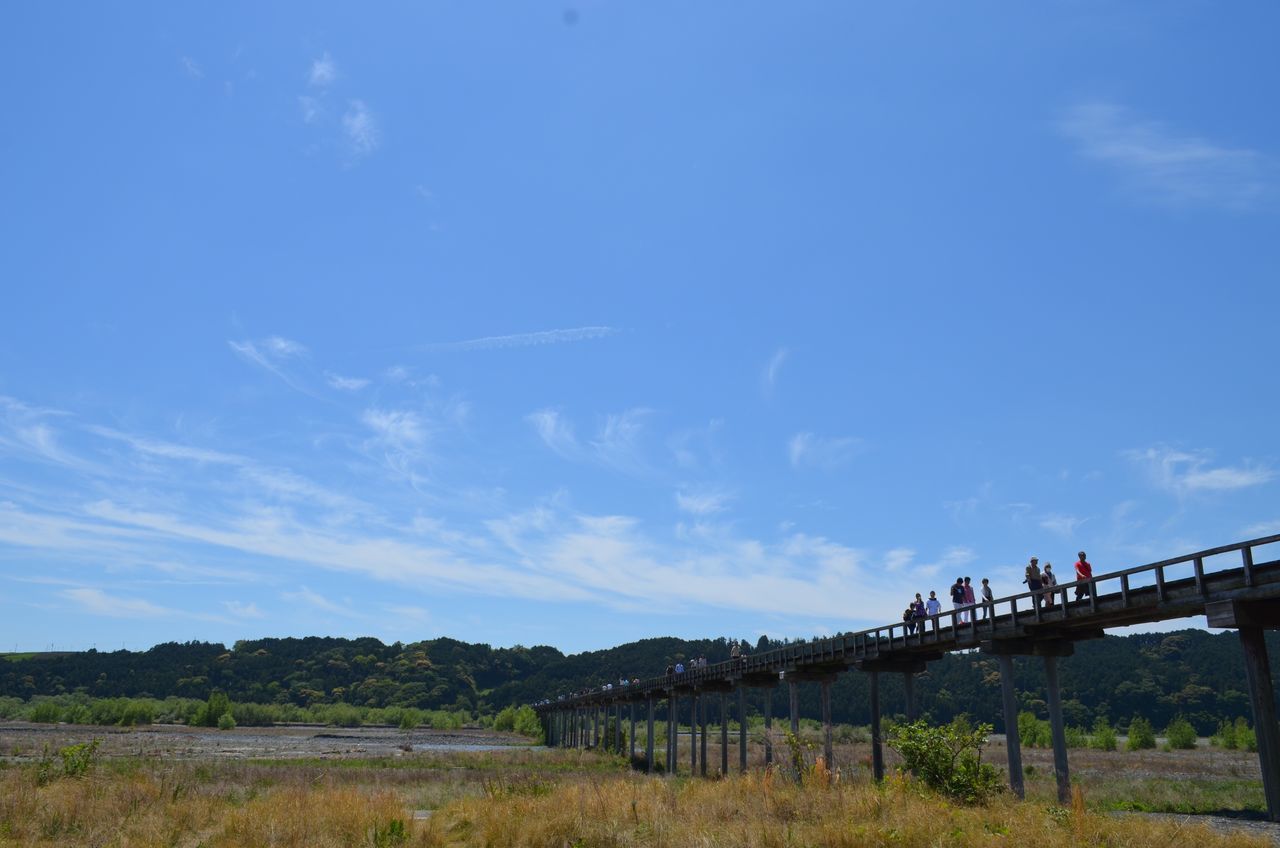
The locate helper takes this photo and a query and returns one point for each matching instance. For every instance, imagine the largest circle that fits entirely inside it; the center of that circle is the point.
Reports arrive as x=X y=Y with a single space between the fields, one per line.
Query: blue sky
x=573 y=324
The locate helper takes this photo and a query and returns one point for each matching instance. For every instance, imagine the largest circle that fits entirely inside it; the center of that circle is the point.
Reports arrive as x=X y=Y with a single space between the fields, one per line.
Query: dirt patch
x=22 y=741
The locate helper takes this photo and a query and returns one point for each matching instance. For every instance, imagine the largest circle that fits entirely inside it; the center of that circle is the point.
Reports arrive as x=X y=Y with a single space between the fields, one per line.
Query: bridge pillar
x=768 y=726
x=742 y=729
x=673 y=734
x=648 y=743
x=909 y=687
x=724 y=734
x=1058 y=730
x=1012 y=742
x=828 y=751
x=877 y=751
x=1252 y=619
x=693 y=732
x=631 y=740
x=617 y=728
x=794 y=692
x=702 y=719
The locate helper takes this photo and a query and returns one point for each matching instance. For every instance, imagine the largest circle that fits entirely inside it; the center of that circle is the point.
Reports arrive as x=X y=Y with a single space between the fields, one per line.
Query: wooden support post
x=828 y=751
x=768 y=726
x=693 y=732
x=877 y=751
x=617 y=728
x=1012 y=744
x=742 y=729
x=724 y=734
x=703 y=718
x=631 y=740
x=671 y=733
x=648 y=743
x=1058 y=730
x=794 y=691
x=909 y=687
x=1264 y=715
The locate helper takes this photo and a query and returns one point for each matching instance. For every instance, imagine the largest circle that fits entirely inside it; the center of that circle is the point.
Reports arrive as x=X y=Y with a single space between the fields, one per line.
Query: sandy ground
x=20 y=741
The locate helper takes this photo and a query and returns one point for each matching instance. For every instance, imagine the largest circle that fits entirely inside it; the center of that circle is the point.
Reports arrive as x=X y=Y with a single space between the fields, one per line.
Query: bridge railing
x=1019 y=608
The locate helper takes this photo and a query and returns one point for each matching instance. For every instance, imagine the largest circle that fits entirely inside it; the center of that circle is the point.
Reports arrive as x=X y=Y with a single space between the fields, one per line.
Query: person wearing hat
x=1033 y=578
x=1084 y=571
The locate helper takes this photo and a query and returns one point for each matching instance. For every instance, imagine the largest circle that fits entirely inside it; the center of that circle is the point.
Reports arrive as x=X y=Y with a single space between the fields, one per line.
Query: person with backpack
x=1033 y=579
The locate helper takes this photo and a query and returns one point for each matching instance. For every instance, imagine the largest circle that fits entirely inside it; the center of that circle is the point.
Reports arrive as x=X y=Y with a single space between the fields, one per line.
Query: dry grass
x=563 y=798
x=759 y=811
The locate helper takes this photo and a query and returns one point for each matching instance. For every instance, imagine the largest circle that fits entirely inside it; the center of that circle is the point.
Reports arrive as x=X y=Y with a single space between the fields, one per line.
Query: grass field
x=581 y=798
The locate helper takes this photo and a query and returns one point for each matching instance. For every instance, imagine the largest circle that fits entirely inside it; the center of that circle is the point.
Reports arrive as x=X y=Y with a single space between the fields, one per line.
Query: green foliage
x=45 y=712
x=226 y=721
x=392 y=834
x=523 y=721
x=73 y=761
x=1034 y=732
x=1234 y=735
x=1180 y=735
x=409 y=719
x=213 y=710
x=948 y=758
x=1104 y=736
x=1141 y=735
x=1077 y=737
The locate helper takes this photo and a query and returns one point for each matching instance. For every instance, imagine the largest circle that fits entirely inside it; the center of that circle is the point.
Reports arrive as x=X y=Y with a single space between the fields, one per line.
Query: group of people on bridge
x=967 y=602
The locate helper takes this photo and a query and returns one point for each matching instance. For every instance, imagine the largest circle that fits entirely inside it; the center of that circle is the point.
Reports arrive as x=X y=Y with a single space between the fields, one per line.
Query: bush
x=410 y=718
x=1180 y=735
x=1246 y=738
x=252 y=715
x=45 y=712
x=1034 y=732
x=1141 y=735
x=226 y=721
x=1077 y=737
x=505 y=719
x=948 y=759
x=212 y=710
x=1104 y=736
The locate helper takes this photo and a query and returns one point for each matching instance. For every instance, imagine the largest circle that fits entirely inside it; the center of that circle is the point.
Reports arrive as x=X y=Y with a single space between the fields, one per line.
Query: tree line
x=1190 y=674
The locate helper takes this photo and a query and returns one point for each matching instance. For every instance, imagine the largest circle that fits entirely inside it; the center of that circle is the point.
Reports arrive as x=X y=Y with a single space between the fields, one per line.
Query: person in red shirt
x=1083 y=572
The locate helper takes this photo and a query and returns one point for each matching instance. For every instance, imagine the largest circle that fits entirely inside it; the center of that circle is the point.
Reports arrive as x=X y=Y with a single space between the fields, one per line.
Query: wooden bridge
x=1234 y=586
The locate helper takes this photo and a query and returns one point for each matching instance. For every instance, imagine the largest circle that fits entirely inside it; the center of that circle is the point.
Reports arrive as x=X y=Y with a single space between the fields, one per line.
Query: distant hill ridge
x=1192 y=673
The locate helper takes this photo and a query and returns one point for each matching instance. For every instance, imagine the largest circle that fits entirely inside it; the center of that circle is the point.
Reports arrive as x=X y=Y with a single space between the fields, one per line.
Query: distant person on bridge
x=957 y=600
x=1033 y=579
x=918 y=612
x=1084 y=571
x=968 y=599
x=932 y=607
x=987 y=598
x=1050 y=580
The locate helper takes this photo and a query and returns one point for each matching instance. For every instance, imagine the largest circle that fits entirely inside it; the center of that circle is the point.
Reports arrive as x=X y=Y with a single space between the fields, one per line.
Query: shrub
x=948 y=759
x=1246 y=738
x=1034 y=732
x=226 y=721
x=1077 y=737
x=1104 y=736
x=45 y=712
x=505 y=719
x=410 y=718
x=133 y=712
x=1180 y=735
x=212 y=710
x=1140 y=735
x=252 y=715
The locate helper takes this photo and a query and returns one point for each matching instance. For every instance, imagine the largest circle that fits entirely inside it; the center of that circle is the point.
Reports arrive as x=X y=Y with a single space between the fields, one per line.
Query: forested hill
x=1190 y=672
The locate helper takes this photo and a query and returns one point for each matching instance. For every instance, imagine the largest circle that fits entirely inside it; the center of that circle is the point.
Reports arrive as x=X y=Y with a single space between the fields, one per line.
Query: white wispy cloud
x=274 y=354
x=193 y=70
x=1161 y=164
x=1187 y=472
x=312 y=109
x=98 y=602
x=305 y=595
x=702 y=501
x=323 y=72
x=806 y=450
x=239 y=609
x=361 y=128
x=769 y=377
x=542 y=337
x=898 y=559
x=399 y=428
x=1262 y=528
x=1062 y=524
x=346 y=384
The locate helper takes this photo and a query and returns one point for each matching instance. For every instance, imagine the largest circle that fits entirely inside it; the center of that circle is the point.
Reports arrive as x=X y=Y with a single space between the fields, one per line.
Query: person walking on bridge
x=932 y=607
x=957 y=600
x=1084 y=571
x=1050 y=582
x=969 y=600
x=1032 y=579
x=987 y=598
